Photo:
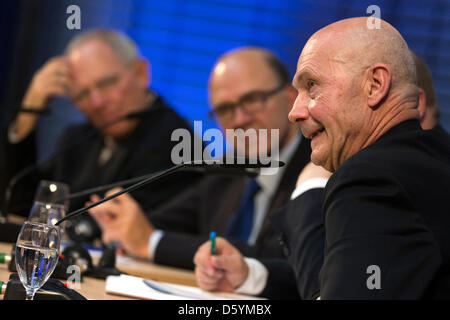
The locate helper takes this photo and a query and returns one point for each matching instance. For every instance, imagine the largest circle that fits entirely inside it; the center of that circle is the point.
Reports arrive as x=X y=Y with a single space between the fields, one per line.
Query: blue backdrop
x=182 y=39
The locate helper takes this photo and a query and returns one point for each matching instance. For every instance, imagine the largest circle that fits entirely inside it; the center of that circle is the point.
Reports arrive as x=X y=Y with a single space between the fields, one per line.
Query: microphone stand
x=126 y=190
x=201 y=165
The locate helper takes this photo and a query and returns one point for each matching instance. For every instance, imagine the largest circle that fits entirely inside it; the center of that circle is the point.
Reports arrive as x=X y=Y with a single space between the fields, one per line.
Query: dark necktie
x=241 y=223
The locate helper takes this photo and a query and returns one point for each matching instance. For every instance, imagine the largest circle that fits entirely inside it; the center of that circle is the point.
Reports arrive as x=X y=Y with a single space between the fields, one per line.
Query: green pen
x=212 y=237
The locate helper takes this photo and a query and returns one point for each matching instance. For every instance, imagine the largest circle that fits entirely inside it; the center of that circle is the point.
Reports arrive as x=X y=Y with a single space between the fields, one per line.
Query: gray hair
x=122 y=45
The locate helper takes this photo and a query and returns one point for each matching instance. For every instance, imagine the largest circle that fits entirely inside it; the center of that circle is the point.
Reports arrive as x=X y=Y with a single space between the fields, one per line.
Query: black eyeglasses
x=251 y=102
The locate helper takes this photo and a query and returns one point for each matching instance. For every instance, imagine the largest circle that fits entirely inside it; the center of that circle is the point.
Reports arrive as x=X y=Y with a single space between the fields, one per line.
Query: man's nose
x=241 y=117
x=97 y=99
x=299 y=111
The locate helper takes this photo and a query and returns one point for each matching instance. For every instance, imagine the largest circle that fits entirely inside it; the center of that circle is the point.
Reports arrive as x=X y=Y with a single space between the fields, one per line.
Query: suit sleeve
x=18 y=157
x=303 y=236
x=181 y=214
x=377 y=246
x=281 y=283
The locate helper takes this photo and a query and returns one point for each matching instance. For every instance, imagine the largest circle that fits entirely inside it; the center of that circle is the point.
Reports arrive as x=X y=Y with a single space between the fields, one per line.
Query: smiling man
x=384 y=206
x=106 y=79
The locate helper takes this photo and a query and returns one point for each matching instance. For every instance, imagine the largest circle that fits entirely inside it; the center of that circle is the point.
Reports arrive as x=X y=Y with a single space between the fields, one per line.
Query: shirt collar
x=269 y=182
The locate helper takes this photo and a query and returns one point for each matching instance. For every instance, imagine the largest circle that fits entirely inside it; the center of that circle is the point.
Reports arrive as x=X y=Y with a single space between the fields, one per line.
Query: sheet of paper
x=135 y=287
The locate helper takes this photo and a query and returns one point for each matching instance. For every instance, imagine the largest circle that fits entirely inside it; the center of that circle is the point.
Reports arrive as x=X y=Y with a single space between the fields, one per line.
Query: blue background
x=183 y=39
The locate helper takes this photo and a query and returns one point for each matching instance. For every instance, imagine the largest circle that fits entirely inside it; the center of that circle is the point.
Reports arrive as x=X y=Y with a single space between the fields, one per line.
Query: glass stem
x=30 y=294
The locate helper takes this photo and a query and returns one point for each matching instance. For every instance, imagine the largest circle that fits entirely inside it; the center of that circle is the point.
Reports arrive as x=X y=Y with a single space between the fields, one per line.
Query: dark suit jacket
x=386 y=207
x=188 y=220
x=147 y=149
x=302 y=231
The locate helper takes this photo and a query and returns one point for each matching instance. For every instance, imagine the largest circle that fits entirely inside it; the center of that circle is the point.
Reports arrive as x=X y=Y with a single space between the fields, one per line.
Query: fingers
x=53 y=79
x=231 y=263
x=104 y=214
x=205 y=281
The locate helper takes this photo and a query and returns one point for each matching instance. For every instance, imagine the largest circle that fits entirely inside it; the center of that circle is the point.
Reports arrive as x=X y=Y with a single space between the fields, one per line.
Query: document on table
x=148 y=289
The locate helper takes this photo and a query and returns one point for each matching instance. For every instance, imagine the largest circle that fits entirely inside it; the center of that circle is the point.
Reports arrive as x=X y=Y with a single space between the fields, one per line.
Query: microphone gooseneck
x=129 y=189
x=212 y=166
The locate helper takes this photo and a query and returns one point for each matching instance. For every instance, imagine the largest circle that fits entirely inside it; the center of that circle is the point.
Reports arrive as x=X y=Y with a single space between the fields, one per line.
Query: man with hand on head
x=104 y=76
x=248 y=89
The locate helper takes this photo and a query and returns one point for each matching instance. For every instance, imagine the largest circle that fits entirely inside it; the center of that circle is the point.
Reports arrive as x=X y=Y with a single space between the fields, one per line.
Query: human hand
x=122 y=219
x=53 y=79
x=224 y=271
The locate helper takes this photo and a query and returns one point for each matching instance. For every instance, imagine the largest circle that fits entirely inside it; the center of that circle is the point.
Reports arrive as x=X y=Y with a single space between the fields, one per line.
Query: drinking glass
x=37 y=252
x=47 y=213
x=53 y=192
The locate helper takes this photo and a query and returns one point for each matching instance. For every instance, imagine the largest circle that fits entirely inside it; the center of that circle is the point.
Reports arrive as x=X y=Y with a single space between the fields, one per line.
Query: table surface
x=94 y=289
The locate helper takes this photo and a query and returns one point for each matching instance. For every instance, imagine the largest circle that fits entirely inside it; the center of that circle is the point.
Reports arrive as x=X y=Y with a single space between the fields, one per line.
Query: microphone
x=214 y=165
x=250 y=172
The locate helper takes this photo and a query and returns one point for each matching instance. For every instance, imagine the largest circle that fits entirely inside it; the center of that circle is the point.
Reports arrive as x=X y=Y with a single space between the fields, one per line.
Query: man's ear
x=422 y=104
x=378 y=84
x=142 y=70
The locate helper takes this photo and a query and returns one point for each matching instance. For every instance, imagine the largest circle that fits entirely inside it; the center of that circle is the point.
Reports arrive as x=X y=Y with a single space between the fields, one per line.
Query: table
x=94 y=289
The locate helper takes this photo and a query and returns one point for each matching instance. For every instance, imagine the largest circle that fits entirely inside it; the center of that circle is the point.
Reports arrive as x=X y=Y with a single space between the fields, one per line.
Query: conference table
x=94 y=289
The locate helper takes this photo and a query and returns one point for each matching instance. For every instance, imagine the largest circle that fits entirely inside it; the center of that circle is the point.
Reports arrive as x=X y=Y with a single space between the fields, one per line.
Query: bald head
x=252 y=58
x=354 y=82
x=353 y=44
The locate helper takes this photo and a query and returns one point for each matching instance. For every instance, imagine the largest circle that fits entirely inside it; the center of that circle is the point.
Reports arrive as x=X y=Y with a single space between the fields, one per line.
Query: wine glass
x=46 y=213
x=53 y=192
x=37 y=252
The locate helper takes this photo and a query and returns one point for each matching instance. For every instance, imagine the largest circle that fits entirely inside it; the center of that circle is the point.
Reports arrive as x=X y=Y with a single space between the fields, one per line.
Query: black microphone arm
x=214 y=165
x=250 y=172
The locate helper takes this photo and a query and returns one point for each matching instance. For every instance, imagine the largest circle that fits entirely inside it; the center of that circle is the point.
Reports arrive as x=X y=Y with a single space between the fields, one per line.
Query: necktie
x=241 y=222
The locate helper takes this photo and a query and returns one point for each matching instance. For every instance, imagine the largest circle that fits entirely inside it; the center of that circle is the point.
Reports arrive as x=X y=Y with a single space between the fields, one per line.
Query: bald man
x=248 y=89
x=384 y=208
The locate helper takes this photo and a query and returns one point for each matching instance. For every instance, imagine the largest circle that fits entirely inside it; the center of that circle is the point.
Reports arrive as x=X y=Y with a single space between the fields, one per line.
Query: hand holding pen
x=219 y=266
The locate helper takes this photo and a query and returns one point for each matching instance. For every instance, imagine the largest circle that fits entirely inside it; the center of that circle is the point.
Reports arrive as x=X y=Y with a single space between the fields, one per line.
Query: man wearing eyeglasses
x=104 y=76
x=248 y=89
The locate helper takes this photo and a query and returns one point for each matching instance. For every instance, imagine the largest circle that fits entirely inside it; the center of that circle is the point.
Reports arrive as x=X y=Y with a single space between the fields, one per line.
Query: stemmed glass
x=37 y=252
x=46 y=213
x=50 y=203
x=53 y=192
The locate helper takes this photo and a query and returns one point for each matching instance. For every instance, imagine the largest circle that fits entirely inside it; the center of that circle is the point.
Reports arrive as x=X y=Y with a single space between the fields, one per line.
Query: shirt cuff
x=153 y=242
x=308 y=185
x=256 y=280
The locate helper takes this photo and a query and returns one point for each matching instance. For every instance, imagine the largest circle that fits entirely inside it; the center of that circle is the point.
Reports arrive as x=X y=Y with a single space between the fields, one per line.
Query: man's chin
x=118 y=130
